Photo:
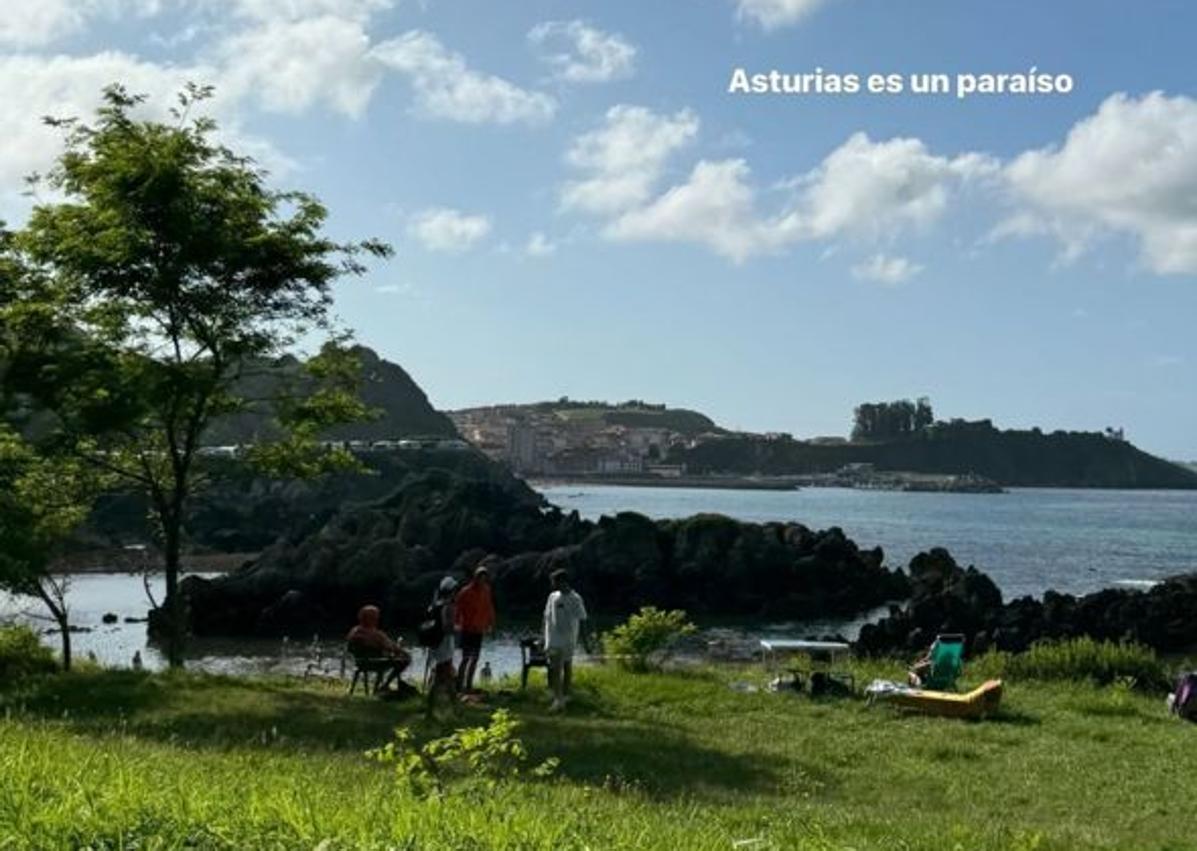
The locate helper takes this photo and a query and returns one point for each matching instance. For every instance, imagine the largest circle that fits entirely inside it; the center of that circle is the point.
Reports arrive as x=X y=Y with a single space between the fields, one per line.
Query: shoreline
x=696 y=482
x=142 y=560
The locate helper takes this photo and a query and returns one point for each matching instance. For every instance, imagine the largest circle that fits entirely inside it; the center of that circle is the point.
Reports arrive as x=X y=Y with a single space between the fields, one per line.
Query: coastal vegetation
x=137 y=302
x=691 y=758
x=1011 y=457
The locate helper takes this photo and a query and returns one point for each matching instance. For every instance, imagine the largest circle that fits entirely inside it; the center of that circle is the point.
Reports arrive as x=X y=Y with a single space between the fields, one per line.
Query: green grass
x=123 y=760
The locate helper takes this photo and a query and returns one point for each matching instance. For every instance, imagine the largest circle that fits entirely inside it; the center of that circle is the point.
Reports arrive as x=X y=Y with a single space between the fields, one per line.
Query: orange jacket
x=475 y=608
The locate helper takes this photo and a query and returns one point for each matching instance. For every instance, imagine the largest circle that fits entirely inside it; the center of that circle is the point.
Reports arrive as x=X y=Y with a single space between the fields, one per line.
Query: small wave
x=1138 y=583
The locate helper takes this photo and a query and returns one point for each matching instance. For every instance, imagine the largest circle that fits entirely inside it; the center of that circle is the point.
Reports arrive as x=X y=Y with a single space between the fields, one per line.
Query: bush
x=474 y=755
x=22 y=654
x=645 y=640
x=1102 y=662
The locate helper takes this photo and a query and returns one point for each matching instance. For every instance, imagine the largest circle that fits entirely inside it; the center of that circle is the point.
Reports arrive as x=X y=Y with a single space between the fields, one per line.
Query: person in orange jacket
x=474 y=618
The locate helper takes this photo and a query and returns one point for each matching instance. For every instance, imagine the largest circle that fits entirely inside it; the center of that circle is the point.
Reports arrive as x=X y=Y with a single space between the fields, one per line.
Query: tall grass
x=125 y=760
x=1078 y=659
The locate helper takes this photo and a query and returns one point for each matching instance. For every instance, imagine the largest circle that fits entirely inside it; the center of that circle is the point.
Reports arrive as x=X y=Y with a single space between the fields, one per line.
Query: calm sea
x=1027 y=540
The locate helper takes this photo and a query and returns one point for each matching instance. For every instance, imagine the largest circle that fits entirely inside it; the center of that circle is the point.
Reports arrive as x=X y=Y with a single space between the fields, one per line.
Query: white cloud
x=625 y=158
x=714 y=207
x=69 y=86
x=539 y=245
x=580 y=53
x=33 y=23
x=446 y=87
x=288 y=66
x=395 y=289
x=863 y=190
x=874 y=189
x=773 y=14
x=444 y=229
x=884 y=269
x=298 y=10
x=63 y=87
x=1130 y=168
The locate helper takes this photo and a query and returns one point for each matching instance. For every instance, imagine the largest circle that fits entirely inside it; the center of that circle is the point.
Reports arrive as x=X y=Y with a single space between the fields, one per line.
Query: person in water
x=367 y=640
x=474 y=617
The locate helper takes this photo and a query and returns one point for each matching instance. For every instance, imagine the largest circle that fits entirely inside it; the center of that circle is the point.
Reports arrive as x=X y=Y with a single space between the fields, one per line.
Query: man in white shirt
x=564 y=620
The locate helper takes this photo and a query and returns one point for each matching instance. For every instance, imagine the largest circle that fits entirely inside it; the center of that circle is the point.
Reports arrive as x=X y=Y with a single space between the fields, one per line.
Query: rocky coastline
x=436 y=521
x=394 y=551
x=945 y=597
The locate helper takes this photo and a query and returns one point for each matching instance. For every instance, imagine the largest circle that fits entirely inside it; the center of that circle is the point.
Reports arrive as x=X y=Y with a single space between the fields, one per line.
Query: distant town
x=580 y=439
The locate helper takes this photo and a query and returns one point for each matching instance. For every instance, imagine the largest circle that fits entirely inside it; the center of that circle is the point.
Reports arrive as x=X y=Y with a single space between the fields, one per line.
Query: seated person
x=940 y=666
x=366 y=640
x=921 y=669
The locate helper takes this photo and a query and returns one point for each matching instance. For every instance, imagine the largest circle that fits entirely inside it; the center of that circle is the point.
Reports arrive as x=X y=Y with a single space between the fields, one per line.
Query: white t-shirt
x=563 y=616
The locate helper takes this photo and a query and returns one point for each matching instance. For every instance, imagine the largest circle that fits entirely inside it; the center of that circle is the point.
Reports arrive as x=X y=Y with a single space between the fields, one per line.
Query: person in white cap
x=440 y=655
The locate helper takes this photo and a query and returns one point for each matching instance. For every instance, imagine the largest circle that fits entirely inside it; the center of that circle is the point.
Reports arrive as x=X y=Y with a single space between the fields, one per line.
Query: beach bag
x=1184 y=699
x=431 y=631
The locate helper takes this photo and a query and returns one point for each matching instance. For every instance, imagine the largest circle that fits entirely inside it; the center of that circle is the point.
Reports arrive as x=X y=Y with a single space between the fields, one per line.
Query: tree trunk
x=66 y=641
x=61 y=617
x=176 y=629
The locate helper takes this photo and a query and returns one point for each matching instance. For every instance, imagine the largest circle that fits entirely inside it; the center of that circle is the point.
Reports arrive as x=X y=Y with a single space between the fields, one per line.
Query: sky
x=581 y=205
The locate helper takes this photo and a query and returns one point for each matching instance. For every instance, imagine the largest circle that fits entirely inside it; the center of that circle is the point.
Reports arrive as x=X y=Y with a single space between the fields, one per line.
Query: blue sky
x=581 y=208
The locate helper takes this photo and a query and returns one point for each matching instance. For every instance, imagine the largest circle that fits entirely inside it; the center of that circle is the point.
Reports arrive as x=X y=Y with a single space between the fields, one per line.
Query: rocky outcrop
x=394 y=551
x=948 y=598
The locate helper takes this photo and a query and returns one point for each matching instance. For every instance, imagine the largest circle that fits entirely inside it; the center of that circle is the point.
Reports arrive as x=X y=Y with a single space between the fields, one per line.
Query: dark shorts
x=470 y=643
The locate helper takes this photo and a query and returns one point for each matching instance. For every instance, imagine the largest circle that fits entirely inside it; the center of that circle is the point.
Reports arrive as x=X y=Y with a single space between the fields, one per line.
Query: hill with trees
x=903 y=436
x=401 y=407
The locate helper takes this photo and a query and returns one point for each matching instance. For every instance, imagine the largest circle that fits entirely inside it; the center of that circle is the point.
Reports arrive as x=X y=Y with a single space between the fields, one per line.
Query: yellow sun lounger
x=982 y=701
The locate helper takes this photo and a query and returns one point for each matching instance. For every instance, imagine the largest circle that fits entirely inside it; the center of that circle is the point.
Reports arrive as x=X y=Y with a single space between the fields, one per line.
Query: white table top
x=799 y=646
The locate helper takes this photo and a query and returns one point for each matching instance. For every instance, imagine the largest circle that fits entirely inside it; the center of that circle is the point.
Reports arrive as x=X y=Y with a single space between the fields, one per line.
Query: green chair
x=947 y=662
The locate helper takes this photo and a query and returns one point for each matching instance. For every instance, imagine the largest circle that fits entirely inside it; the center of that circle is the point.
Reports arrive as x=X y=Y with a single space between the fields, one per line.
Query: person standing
x=564 y=621
x=440 y=652
x=474 y=613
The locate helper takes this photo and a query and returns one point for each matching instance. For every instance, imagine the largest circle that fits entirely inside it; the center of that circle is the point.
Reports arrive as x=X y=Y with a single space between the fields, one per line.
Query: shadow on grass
x=594 y=745
x=653 y=759
x=199 y=710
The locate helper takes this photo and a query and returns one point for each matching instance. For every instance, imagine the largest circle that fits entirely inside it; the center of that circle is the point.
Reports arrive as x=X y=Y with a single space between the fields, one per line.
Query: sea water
x=1027 y=540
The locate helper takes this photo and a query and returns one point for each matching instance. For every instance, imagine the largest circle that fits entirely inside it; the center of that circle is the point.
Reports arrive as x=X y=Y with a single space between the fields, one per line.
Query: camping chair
x=947 y=662
x=532 y=655
x=366 y=661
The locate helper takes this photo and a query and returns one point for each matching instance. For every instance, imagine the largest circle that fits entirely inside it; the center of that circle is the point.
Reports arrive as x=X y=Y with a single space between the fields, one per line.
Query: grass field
x=134 y=761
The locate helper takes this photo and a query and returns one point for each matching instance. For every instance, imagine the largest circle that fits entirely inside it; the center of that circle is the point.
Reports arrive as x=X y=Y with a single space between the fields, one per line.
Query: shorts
x=560 y=655
x=470 y=643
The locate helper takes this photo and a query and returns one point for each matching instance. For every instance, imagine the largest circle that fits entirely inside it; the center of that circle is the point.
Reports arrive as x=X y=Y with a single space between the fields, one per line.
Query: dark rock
x=394 y=551
x=109 y=617
x=948 y=598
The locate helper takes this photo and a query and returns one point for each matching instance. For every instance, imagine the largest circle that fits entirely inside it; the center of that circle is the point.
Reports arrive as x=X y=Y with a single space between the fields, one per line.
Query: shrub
x=1102 y=662
x=645 y=640
x=478 y=755
x=22 y=654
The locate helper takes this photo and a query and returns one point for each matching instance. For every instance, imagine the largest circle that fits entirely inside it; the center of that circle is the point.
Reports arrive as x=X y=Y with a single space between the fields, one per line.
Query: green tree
x=167 y=277
x=42 y=500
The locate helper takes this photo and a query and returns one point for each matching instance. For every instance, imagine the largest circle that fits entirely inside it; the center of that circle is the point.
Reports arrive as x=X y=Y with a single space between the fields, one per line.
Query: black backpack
x=431 y=631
